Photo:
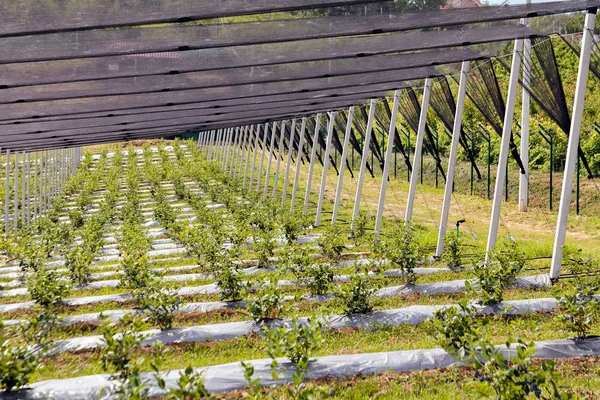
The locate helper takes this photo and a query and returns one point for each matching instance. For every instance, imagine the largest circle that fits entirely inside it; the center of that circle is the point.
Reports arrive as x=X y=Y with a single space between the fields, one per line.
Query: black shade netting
x=410 y=108
x=383 y=115
x=484 y=91
x=341 y=122
x=443 y=103
x=362 y=125
x=546 y=88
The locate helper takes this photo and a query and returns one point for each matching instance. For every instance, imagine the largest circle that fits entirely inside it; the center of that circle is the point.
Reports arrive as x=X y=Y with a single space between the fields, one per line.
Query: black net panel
x=341 y=121
x=383 y=115
x=410 y=108
x=362 y=124
x=443 y=103
x=241 y=94
x=575 y=46
x=37 y=16
x=484 y=91
x=546 y=88
x=351 y=68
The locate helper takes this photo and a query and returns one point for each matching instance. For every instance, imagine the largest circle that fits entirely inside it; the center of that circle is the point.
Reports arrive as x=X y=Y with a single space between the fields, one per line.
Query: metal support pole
x=23 y=188
x=311 y=165
x=286 y=179
x=256 y=143
x=28 y=195
x=262 y=157
x=230 y=132
x=340 y=183
x=326 y=163
x=464 y=74
x=387 y=164
x=236 y=144
x=363 y=162
x=298 y=163
x=279 y=156
x=525 y=128
x=248 y=155
x=572 y=149
x=240 y=158
x=504 y=147
x=7 y=192
x=16 y=197
x=418 y=150
x=271 y=145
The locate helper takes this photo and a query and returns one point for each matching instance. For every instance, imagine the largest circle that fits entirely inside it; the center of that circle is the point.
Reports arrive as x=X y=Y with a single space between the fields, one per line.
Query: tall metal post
x=262 y=157
x=311 y=166
x=256 y=143
x=504 y=146
x=340 y=183
x=418 y=151
x=363 y=162
x=464 y=73
x=35 y=188
x=23 y=188
x=236 y=143
x=271 y=145
x=326 y=163
x=279 y=156
x=286 y=180
x=16 y=197
x=241 y=154
x=7 y=192
x=28 y=188
x=248 y=156
x=387 y=163
x=573 y=146
x=298 y=164
x=526 y=103
x=229 y=145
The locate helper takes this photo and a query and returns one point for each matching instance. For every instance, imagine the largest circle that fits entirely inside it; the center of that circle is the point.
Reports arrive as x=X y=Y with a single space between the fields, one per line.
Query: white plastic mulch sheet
x=227 y=377
x=457 y=286
x=412 y=315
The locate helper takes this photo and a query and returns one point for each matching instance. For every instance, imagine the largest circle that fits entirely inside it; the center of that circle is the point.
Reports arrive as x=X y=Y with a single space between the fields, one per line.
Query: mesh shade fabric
x=174 y=63
x=575 y=46
x=242 y=94
x=442 y=102
x=383 y=114
x=483 y=90
x=38 y=16
x=410 y=108
x=546 y=88
x=374 y=144
x=33 y=126
x=234 y=77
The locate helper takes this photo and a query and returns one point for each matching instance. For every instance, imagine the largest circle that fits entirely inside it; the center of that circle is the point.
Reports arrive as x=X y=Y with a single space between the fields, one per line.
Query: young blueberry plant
x=579 y=309
x=401 y=248
x=356 y=295
x=454 y=251
x=267 y=302
x=317 y=278
x=18 y=362
x=498 y=273
x=231 y=281
x=360 y=228
x=333 y=242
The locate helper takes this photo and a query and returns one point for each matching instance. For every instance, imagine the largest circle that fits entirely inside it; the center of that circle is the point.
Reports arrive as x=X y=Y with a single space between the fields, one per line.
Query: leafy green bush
x=333 y=242
x=579 y=309
x=496 y=275
x=356 y=295
x=453 y=253
x=294 y=259
x=318 y=278
x=231 y=281
x=293 y=225
x=264 y=246
x=78 y=261
x=458 y=331
x=190 y=386
x=267 y=302
x=296 y=342
x=159 y=304
x=401 y=248
x=47 y=288
x=76 y=217
x=17 y=363
x=116 y=351
x=360 y=228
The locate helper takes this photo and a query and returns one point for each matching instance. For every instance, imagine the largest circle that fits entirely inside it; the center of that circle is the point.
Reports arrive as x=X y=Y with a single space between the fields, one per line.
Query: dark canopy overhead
x=108 y=70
